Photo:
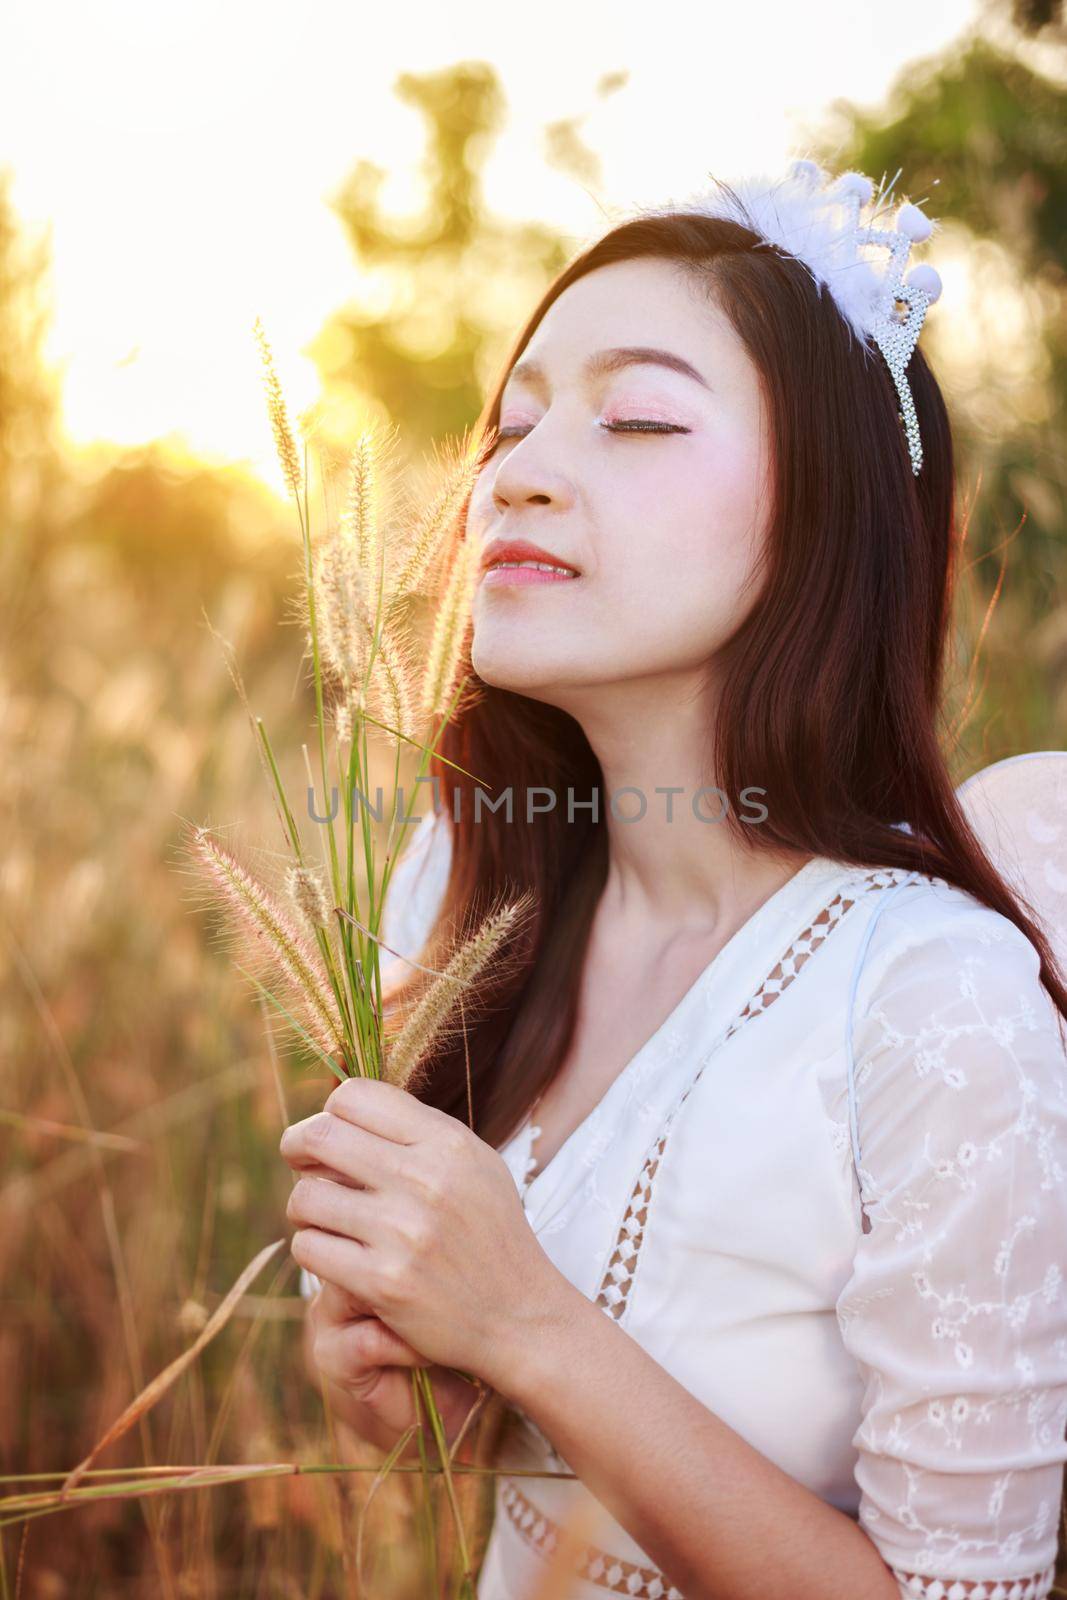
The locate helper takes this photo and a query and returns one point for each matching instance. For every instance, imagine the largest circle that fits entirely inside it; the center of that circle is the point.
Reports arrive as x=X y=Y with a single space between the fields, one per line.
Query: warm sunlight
x=183 y=158
x=532 y=955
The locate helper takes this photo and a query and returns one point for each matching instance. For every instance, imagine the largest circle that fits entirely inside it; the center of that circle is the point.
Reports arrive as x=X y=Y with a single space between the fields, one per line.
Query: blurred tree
x=1032 y=16
x=980 y=134
x=27 y=392
x=160 y=518
x=32 y=467
x=991 y=133
x=445 y=290
x=191 y=527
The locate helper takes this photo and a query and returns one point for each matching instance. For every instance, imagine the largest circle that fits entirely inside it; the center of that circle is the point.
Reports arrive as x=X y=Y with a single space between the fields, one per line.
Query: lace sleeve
x=955 y=1309
x=416 y=890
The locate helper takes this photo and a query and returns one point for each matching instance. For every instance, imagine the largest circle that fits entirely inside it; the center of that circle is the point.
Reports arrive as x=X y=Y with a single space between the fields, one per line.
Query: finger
x=384 y=1109
x=337 y=1305
x=331 y=1173
x=354 y=1353
x=326 y=1140
x=316 y=1202
x=342 y=1261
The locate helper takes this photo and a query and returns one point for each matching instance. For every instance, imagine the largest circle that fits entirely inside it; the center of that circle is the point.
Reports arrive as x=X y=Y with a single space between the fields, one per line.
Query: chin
x=511 y=676
x=505 y=664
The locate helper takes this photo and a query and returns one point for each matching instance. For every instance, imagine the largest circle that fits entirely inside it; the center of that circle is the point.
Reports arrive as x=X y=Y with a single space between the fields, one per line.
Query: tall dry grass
x=140 y=1113
x=144 y=1098
x=319 y=955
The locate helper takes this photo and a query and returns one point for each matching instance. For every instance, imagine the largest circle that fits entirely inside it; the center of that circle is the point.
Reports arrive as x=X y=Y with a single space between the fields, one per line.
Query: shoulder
x=953 y=1030
x=954 y=1308
x=933 y=933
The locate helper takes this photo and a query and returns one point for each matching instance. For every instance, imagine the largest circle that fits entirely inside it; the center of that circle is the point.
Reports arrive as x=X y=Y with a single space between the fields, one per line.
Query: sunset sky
x=181 y=157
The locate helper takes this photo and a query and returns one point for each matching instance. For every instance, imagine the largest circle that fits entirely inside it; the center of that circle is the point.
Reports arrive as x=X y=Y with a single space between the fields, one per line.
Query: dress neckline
x=526 y=1136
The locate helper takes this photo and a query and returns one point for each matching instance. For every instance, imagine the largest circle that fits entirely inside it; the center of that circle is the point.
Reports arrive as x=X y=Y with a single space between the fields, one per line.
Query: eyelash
x=637 y=425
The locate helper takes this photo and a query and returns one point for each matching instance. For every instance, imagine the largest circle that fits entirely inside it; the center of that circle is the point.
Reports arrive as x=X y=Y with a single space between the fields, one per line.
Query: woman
x=760 y=1227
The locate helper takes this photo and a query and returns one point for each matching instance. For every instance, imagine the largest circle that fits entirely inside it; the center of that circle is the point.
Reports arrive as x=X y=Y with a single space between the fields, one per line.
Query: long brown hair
x=831 y=686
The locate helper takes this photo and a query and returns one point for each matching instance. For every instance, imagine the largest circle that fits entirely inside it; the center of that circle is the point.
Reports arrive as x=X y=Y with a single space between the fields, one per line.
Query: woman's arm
x=714 y=1514
x=431 y=1235
x=955 y=1312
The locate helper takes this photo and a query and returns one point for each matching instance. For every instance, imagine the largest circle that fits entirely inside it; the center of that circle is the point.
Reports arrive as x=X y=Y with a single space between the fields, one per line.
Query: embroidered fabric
x=962 y=1088
x=619 y=1576
x=1034 y=1587
x=596 y=1566
x=962 y=1080
x=960 y=1084
x=618 y=1278
x=539 y=1530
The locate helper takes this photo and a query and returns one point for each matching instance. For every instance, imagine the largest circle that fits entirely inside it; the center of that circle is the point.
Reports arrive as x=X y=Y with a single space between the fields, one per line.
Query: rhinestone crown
x=818 y=221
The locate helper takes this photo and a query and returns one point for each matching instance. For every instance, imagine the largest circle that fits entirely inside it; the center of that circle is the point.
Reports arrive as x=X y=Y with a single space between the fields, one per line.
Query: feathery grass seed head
x=345 y=627
x=270 y=934
x=407 y=1052
x=307 y=893
x=459 y=465
x=393 y=678
x=359 y=530
x=284 y=442
x=343 y=721
x=445 y=657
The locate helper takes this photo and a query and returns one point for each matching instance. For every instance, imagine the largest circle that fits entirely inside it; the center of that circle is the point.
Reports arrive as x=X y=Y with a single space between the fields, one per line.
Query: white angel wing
x=1018 y=808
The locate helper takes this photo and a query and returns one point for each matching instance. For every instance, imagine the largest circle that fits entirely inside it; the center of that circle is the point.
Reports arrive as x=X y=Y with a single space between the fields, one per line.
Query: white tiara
x=818 y=222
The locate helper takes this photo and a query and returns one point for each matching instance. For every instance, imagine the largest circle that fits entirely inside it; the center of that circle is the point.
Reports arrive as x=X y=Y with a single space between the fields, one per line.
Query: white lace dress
x=899 y=1345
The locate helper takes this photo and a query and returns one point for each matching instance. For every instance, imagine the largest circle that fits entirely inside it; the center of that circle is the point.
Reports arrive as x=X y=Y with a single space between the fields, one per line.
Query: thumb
x=338 y=1305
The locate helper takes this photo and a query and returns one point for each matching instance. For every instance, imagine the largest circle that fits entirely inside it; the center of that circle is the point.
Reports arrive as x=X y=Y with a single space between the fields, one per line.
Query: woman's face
x=663 y=527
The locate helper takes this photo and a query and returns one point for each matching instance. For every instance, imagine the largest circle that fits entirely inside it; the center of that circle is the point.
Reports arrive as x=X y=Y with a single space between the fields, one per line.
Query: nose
x=503 y=498
x=525 y=478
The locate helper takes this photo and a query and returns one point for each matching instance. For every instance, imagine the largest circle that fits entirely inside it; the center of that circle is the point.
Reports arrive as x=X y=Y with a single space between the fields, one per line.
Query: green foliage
x=981 y=137
x=457 y=280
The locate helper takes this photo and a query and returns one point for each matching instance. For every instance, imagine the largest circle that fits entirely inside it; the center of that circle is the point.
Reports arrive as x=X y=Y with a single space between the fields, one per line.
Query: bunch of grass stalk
x=314 y=943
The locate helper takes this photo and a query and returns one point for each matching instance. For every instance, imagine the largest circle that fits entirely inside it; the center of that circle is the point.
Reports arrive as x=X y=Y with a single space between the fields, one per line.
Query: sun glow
x=182 y=159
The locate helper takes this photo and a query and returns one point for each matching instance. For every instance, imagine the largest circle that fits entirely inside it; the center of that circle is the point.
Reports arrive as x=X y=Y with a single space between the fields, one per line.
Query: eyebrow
x=614 y=360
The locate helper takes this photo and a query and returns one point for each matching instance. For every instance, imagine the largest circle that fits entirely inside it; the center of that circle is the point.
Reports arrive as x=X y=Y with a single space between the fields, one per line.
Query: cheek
x=693 y=535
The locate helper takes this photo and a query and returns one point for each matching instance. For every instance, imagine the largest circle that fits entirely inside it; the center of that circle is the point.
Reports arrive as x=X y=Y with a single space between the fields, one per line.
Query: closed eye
x=636 y=425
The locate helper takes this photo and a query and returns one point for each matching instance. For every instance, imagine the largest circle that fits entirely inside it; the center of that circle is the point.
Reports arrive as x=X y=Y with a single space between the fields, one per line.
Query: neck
x=674 y=860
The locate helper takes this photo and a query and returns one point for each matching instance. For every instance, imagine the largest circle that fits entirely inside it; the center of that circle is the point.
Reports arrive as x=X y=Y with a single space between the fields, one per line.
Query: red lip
x=519 y=550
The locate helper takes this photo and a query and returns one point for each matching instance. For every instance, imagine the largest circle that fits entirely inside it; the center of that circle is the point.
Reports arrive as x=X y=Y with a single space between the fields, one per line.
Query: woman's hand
x=366 y=1368
x=425 y=1229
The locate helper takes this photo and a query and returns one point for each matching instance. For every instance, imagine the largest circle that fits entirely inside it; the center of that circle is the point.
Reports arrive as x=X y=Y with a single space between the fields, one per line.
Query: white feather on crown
x=817 y=220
